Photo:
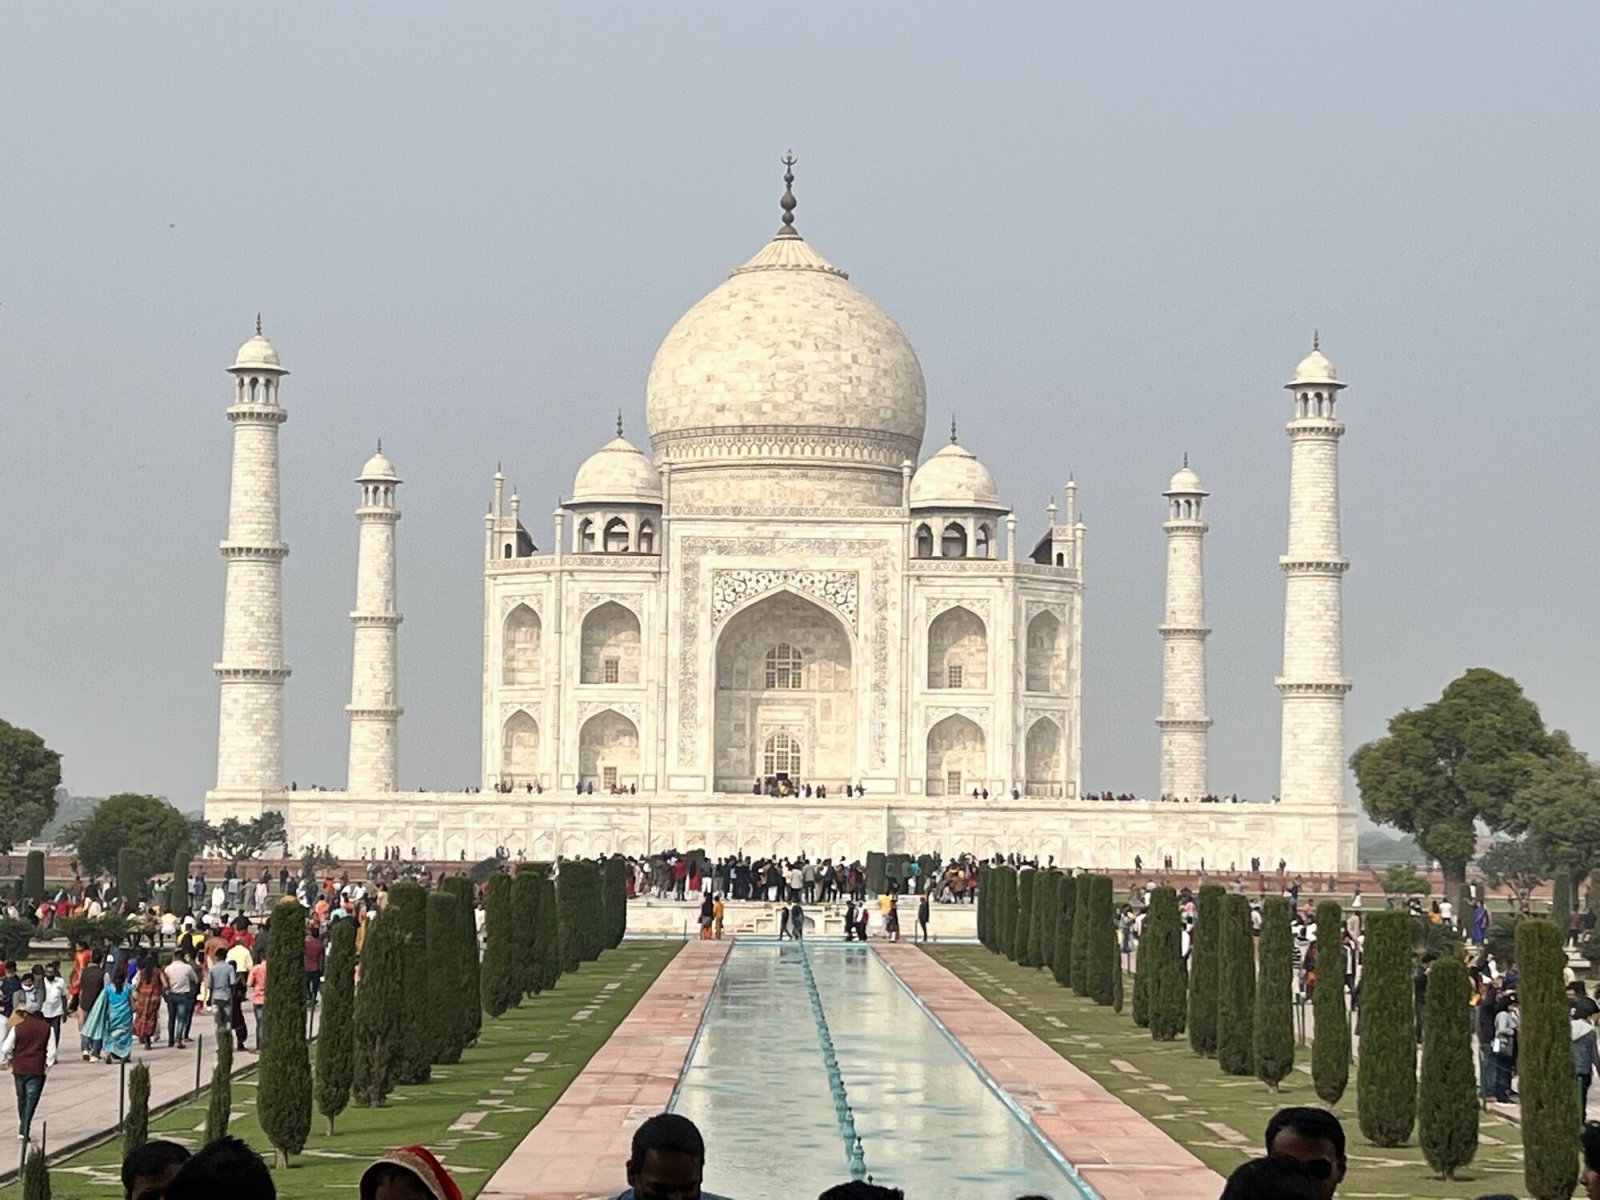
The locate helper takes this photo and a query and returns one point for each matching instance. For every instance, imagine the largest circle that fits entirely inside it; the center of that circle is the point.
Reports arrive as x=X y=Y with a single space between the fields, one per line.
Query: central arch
x=608 y=751
x=784 y=665
x=956 y=757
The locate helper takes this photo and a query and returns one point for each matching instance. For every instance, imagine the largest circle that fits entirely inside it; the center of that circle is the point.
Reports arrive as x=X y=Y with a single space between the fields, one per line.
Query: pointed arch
x=1043 y=755
x=958 y=650
x=957 y=758
x=520 y=645
x=617 y=536
x=1047 y=657
x=924 y=541
x=608 y=751
x=983 y=545
x=585 y=536
x=519 y=749
x=647 y=537
x=953 y=542
x=609 y=650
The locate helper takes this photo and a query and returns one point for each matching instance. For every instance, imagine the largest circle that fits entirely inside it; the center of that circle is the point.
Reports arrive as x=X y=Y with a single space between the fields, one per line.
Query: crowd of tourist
x=674 y=875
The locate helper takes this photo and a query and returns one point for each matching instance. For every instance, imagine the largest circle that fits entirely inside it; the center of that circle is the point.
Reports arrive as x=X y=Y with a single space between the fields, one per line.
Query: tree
x=1080 y=937
x=1401 y=879
x=984 y=908
x=250 y=839
x=1236 y=994
x=379 y=1025
x=1386 y=1072
x=414 y=1062
x=178 y=895
x=1161 y=961
x=443 y=978
x=569 y=916
x=1447 y=1097
x=36 y=1177
x=30 y=773
x=547 y=933
x=136 y=1126
x=1038 y=922
x=1102 y=954
x=219 y=1107
x=1205 y=970
x=336 y=1034
x=283 y=1094
x=614 y=893
x=131 y=875
x=1048 y=899
x=1067 y=903
x=1445 y=767
x=1330 y=1049
x=1544 y=1064
x=33 y=878
x=146 y=825
x=1116 y=975
x=1023 y=951
x=1141 y=978
x=1274 y=1014
x=469 y=1000
x=1006 y=908
x=1515 y=864
x=524 y=918
x=1560 y=807
x=499 y=927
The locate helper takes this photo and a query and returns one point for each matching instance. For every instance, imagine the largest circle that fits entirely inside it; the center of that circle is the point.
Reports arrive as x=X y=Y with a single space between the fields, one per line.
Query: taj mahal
x=784 y=623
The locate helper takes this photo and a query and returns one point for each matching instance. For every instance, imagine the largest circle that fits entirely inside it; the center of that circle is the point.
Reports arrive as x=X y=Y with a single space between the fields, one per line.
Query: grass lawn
x=1217 y=1117
x=486 y=1081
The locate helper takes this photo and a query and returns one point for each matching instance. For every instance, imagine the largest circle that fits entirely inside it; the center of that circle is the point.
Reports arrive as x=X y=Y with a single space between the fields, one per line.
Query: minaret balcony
x=228 y=673
x=1317 y=687
x=1328 y=565
x=374 y=712
x=257 y=414
x=1185 y=631
x=386 y=620
x=244 y=550
x=1315 y=427
x=1184 y=724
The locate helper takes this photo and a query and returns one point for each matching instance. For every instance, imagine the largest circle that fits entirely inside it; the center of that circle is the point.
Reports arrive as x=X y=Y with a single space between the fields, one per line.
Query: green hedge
x=1544 y=1063
x=498 y=977
x=1447 y=1097
x=1141 y=978
x=1101 y=954
x=985 y=908
x=1026 y=943
x=1274 y=1015
x=1080 y=937
x=1330 y=1049
x=469 y=1003
x=1236 y=991
x=1067 y=911
x=1005 y=894
x=415 y=1061
x=219 y=1103
x=336 y=1034
x=131 y=875
x=1161 y=964
x=136 y=1126
x=283 y=1092
x=614 y=900
x=1205 y=970
x=1386 y=1073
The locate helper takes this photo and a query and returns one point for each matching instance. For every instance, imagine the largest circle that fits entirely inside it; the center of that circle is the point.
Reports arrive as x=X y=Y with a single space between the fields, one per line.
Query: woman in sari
x=149 y=989
x=110 y=1022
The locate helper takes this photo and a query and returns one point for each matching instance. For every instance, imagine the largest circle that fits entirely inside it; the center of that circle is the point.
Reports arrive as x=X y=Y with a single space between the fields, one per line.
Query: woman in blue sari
x=111 y=1018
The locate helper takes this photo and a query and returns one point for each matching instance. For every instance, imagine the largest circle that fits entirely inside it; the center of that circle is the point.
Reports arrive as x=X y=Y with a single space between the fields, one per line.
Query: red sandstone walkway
x=580 y=1148
x=1119 y=1153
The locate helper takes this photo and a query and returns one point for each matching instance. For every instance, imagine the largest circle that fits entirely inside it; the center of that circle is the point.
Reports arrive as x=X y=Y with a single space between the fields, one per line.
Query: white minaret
x=1183 y=721
x=374 y=676
x=1313 y=682
x=251 y=673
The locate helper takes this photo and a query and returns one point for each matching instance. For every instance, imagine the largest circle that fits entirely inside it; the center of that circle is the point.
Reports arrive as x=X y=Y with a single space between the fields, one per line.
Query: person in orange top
x=322 y=910
x=256 y=982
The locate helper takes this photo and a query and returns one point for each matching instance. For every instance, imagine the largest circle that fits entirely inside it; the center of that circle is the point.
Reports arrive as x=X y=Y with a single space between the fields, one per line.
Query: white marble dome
x=954 y=478
x=1315 y=368
x=617 y=473
x=255 y=354
x=788 y=363
x=1185 y=482
x=378 y=470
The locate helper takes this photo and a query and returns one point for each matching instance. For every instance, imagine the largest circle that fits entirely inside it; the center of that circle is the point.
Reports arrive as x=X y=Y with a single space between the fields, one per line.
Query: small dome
x=255 y=354
x=1187 y=483
x=954 y=478
x=618 y=472
x=1315 y=368
x=378 y=470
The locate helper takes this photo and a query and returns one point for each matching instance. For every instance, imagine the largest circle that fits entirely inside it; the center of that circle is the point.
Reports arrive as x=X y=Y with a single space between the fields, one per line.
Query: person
x=1314 y=1138
x=708 y=914
x=1579 y=1002
x=110 y=1022
x=922 y=916
x=147 y=1171
x=860 y=1189
x=1274 y=1177
x=891 y=923
x=256 y=985
x=10 y=985
x=226 y=1167
x=1503 y=1049
x=182 y=983
x=850 y=921
x=316 y=959
x=54 y=996
x=666 y=1161
x=219 y=984
x=783 y=921
x=91 y=984
x=408 y=1173
x=1585 y=1057
x=717 y=913
x=148 y=993
x=1589 y=1177
x=797 y=921
x=29 y=1049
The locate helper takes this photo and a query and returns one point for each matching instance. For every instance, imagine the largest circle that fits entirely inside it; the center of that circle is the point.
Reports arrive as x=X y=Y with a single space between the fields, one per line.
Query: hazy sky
x=1109 y=231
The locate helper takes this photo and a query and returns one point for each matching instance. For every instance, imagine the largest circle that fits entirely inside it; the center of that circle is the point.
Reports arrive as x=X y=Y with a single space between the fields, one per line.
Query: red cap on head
x=419 y=1161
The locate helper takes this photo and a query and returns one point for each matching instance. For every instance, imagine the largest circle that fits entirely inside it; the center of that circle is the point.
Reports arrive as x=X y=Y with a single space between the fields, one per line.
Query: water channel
x=795 y=1032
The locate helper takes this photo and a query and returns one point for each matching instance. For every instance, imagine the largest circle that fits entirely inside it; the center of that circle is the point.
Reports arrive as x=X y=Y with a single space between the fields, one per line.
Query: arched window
x=506 y=553
x=586 y=537
x=785 y=669
x=781 y=756
x=647 y=538
x=616 y=536
x=924 y=542
x=1061 y=560
x=954 y=542
x=982 y=544
x=253 y=383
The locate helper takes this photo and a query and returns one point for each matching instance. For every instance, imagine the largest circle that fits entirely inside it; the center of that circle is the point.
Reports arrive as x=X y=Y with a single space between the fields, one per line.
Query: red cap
x=419 y=1161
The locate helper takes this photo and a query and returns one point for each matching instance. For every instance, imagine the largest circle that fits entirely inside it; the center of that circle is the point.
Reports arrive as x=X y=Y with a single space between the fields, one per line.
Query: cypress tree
x=1102 y=953
x=1236 y=990
x=1067 y=902
x=1038 y=921
x=1544 y=1063
x=379 y=1025
x=1006 y=911
x=984 y=908
x=136 y=1127
x=33 y=878
x=1141 y=977
x=547 y=933
x=336 y=1034
x=1047 y=896
x=220 y=1105
x=414 y=1062
x=1024 y=946
x=498 y=981
x=1205 y=970
x=469 y=999
x=283 y=1094
x=1274 y=1015
x=1447 y=1097
x=569 y=918
x=614 y=880
x=524 y=915
x=178 y=896
x=130 y=875
x=36 y=1177
x=1080 y=938
x=444 y=978
x=595 y=936
x=1116 y=977
x=1386 y=1073
x=1161 y=962
x=1330 y=1050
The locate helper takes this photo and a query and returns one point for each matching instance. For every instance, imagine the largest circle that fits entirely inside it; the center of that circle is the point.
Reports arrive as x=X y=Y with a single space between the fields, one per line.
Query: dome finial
x=258 y=324
x=619 y=422
x=1316 y=340
x=1186 y=458
x=787 y=230
x=380 y=445
x=952 y=429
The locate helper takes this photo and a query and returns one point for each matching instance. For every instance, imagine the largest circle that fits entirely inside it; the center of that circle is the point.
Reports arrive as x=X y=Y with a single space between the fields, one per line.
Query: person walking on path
x=922 y=916
x=708 y=915
x=219 y=985
x=31 y=1051
x=91 y=985
x=110 y=1022
x=182 y=983
x=783 y=921
x=53 y=999
x=256 y=983
x=316 y=959
x=148 y=994
x=797 y=921
x=717 y=912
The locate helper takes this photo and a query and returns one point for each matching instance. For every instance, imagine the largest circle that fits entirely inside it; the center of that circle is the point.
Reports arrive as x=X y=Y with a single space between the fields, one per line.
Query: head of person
x=860 y=1189
x=227 y=1167
x=1273 y=1177
x=119 y=978
x=149 y=1169
x=1589 y=1141
x=1314 y=1138
x=667 y=1159
x=408 y=1173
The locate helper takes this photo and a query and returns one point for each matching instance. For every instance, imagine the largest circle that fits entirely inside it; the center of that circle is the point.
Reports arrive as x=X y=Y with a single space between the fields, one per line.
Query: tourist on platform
x=850 y=921
x=30 y=1050
x=408 y=1173
x=716 y=916
x=147 y=1171
x=797 y=921
x=667 y=1161
x=149 y=994
x=182 y=984
x=922 y=916
x=783 y=921
x=1275 y=1177
x=110 y=1022
x=226 y=1167
x=708 y=914
x=1314 y=1138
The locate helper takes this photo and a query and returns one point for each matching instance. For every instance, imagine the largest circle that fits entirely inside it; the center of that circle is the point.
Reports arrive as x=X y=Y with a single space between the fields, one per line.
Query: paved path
x=580 y=1148
x=1120 y=1154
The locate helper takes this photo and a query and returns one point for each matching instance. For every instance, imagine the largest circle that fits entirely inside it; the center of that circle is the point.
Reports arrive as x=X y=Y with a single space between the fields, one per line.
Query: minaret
x=251 y=673
x=374 y=675
x=1313 y=682
x=1183 y=721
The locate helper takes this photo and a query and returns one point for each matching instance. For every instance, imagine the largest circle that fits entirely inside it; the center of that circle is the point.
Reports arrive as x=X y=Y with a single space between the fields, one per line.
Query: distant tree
x=1560 y=814
x=283 y=1093
x=33 y=878
x=570 y=915
x=443 y=978
x=36 y=1177
x=1161 y=960
x=30 y=773
x=1447 y=1097
x=1006 y=908
x=414 y=1062
x=1038 y=919
x=178 y=895
x=469 y=1006
x=1544 y=1063
x=614 y=893
x=984 y=908
x=1102 y=953
x=136 y=1126
x=1205 y=970
x=250 y=839
x=524 y=916
x=1274 y=1013
x=1517 y=865
x=1081 y=924
x=499 y=980
x=219 y=1106
x=146 y=825
x=1236 y=994
x=1386 y=1072
x=132 y=874
x=1067 y=904
x=336 y=1035
x=379 y=1009
x=1330 y=1049
x=1025 y=942
x=1449 y=765
x=1401 y=879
